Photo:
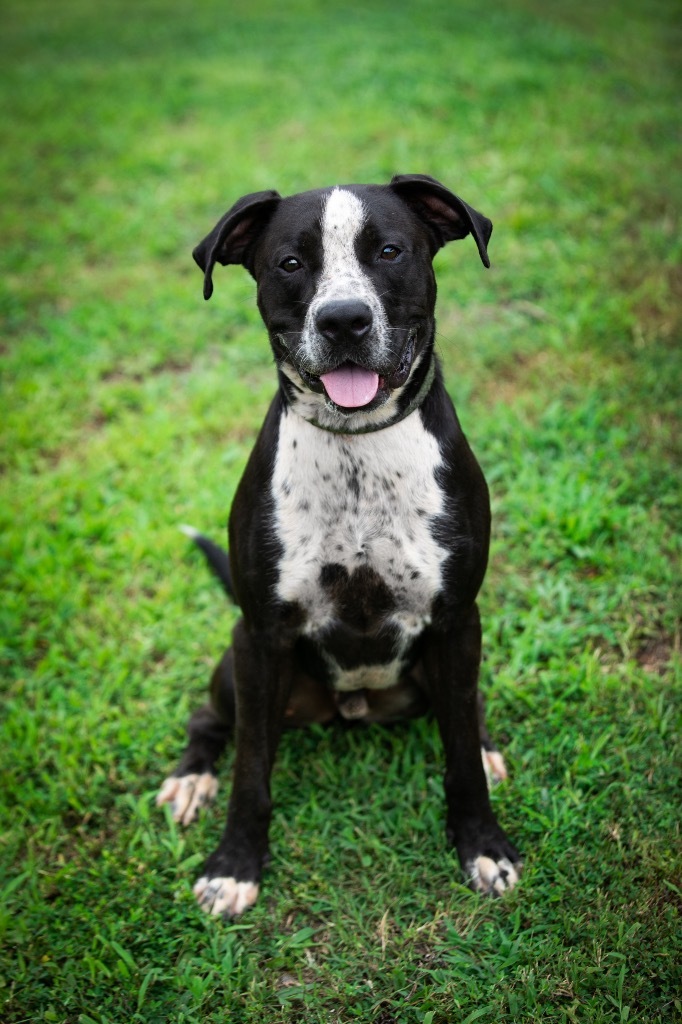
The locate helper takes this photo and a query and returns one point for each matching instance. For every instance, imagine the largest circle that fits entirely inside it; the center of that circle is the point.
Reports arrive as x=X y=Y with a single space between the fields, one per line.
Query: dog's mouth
x=351 y=386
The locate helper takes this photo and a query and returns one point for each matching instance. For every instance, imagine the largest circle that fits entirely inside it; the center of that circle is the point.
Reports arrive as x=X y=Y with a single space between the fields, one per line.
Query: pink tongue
x=351 y=386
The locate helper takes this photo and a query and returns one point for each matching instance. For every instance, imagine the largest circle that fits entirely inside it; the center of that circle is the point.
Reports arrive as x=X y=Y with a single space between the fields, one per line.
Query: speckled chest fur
x=354 y=515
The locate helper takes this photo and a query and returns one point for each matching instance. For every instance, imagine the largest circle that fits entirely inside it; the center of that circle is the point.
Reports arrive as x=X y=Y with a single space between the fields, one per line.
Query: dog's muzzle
x=349 y=377
x=346 y=323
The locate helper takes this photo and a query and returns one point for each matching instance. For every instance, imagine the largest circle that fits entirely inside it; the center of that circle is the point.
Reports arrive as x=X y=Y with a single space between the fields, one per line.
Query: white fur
x=342 y=276
x=493 y=766
x=226 y=896
x=189 y=531
x=493 y=876
x=319 y=519
x=368 y=677
x=187 y=794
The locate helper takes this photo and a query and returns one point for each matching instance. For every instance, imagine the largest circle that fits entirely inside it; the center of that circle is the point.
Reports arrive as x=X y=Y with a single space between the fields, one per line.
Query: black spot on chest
x=361 y=598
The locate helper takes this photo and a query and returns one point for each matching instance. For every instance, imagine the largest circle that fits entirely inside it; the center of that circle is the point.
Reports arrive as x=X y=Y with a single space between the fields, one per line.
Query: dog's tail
x=217 y=559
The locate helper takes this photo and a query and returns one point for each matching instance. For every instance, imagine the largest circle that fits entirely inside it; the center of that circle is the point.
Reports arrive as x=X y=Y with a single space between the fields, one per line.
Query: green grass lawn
x=129 y=406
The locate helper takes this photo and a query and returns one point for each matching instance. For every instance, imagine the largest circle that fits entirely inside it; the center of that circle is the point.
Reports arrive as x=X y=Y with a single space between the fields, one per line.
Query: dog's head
x=346 y=287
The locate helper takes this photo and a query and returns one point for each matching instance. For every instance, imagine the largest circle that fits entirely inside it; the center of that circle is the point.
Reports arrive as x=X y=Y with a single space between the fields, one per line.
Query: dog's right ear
x=234 y=234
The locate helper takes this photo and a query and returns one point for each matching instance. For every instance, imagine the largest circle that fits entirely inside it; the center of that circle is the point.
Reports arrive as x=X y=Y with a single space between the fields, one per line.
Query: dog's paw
x=493 y=766
x=187 y=794
x=491 y=876
x=225 y=896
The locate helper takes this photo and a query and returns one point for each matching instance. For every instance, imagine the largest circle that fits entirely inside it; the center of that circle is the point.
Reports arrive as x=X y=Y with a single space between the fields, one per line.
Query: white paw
x=493 y=876
x=225 y=895
x=493 y=766
x=187 y=794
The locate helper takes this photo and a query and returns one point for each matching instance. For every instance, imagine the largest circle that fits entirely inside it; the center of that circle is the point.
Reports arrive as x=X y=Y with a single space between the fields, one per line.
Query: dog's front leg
x=451 y=661
x=263 y=673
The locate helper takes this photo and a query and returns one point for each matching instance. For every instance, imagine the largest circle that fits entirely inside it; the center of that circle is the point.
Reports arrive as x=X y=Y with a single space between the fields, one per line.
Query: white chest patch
x=353 y=501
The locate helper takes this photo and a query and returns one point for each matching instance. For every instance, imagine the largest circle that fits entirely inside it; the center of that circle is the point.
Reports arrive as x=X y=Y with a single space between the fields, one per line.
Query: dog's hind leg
x=193 y=783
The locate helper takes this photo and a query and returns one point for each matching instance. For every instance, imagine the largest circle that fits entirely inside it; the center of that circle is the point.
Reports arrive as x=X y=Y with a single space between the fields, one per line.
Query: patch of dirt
x=170 y=365
x=655 y=653
x=660 y=317
x=517 y=377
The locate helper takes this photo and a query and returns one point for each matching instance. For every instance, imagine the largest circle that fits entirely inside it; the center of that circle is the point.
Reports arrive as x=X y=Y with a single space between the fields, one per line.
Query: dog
x=358 y=536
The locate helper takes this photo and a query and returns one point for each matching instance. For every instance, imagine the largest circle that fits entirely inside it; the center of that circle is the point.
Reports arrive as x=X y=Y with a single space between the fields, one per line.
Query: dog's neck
x=401 y=405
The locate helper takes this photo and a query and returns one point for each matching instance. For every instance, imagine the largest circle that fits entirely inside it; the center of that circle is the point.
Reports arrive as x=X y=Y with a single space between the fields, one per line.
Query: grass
x=129 y=406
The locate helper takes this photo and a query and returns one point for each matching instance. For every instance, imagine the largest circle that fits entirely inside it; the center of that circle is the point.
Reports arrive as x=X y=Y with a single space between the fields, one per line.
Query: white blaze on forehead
x=343 y=277
x=342 y=220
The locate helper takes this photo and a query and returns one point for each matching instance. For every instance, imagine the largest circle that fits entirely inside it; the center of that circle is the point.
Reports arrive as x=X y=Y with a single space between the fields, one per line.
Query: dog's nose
x=344 y=320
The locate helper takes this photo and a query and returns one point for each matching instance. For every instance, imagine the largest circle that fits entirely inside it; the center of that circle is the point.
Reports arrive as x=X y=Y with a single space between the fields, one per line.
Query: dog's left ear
x=447 y=215
x=232 y=237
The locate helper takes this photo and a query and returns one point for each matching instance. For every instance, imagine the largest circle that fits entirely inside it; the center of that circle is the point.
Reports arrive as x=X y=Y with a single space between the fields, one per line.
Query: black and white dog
x=358 y=537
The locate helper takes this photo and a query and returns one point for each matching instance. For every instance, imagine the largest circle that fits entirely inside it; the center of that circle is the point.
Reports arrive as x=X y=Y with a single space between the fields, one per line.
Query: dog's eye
x=290 y=264
x=389 y=252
